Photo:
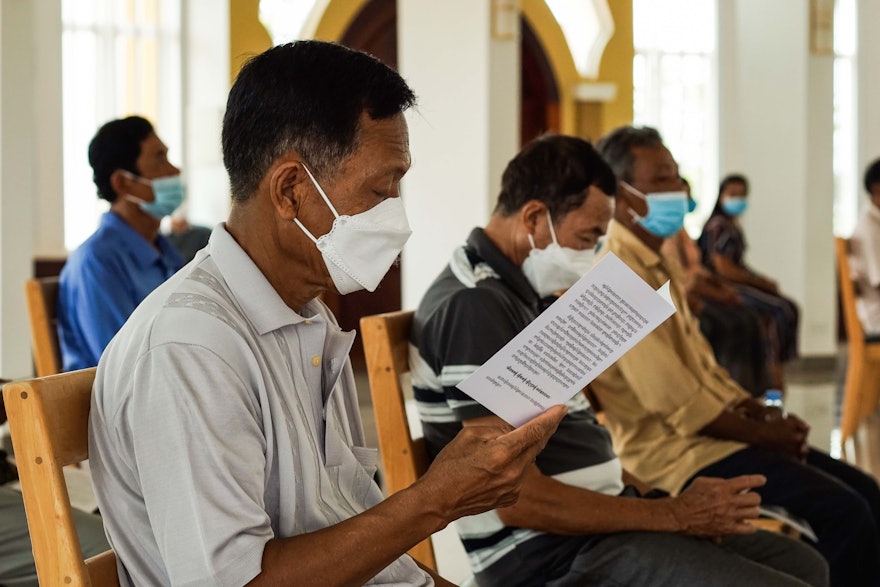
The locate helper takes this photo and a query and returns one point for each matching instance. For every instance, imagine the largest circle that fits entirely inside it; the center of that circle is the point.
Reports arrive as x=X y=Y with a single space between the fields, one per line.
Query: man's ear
x=624 y=196
x=875 y=194
x=288 y=184
x=121 y=182
x=531 y=213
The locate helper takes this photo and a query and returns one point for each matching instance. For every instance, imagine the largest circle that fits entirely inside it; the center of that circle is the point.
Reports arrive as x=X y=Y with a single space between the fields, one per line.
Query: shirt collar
x=628 y=239
x=481 y=248
x=143 y=253
x=873 y=212
x=252 y=291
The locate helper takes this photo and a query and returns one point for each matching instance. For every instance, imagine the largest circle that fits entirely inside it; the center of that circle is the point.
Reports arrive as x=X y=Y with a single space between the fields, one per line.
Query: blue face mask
x=666 y=211
x=692 y=205
x=734 y=206
x=168 y=195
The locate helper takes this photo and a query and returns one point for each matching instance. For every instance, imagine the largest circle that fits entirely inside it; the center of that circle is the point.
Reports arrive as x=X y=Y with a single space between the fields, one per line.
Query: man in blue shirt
x=106 y=278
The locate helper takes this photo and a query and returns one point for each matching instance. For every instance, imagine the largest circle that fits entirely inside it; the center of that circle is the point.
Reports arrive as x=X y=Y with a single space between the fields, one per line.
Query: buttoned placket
x=308 y=338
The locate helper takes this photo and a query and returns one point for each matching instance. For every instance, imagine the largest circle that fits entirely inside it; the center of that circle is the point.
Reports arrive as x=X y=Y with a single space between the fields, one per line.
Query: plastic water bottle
x=773 y=398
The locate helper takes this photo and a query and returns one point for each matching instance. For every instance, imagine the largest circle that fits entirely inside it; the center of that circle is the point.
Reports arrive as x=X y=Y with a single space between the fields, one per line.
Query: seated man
x=675 y=414
x=575 y=522
x=865 y=254
x=106 y=278
x=225 y=442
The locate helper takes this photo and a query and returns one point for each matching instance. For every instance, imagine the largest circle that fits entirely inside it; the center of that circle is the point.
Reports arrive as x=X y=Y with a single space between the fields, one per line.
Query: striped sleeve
x=459 y=338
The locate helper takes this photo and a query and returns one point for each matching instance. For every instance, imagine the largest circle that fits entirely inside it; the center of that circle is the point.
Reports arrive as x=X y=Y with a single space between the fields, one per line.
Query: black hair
x=728 y=179
x=616 y=147
x=557 y=170
x=306 y=96
x=872 y=175
x=117 y=145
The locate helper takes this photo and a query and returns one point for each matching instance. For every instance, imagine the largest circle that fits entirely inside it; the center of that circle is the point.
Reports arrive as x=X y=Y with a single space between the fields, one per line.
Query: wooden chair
x=48 y=419
x=862 y=388
x=41 y=296
x=404 y=458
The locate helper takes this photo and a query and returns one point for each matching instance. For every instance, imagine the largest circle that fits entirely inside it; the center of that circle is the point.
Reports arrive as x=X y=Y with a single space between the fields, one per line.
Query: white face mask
x=359 y=249
x=555 y=268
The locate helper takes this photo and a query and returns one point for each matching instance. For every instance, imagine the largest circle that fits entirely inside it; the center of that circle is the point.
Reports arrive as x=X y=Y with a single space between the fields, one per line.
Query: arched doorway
x=539 y=92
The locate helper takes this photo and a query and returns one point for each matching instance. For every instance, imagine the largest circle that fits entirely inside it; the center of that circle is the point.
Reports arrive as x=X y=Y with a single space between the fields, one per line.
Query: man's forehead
x=597 y=207
x=653 y=155
x=387 y=139
x=152 y=143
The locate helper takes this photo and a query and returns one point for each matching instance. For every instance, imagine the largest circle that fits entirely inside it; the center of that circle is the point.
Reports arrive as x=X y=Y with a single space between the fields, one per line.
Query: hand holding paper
x=584 y=332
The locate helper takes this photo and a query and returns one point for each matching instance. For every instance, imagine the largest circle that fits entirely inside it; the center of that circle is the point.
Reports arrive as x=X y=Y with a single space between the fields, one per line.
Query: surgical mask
x=692 y=205
x=734 y=206
x=555 y=268
x=359 y=249
x=168 y=195
x=666 y=211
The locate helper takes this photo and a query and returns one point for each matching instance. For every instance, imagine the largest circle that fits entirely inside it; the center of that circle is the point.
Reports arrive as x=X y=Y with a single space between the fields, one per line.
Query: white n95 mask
x=359 y=249
x=555 y=268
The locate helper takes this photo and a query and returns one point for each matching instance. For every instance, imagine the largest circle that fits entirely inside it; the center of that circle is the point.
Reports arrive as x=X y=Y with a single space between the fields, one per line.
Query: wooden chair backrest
x=861 y=393
x=49 y=421
x=42 y=296
x=855 y=333
x=404 y=458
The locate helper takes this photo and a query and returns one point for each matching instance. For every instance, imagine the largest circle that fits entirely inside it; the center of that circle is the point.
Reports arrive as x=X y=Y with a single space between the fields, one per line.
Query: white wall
x=869 y=87
x=49 y=179
x=205 y=86
x=775 y=125
x=30 y=162
x=462 y=134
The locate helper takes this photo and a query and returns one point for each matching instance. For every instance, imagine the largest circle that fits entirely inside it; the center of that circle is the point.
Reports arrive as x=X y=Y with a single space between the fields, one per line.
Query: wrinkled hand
x=787 y=434
x=712 y=507
x=482 y=468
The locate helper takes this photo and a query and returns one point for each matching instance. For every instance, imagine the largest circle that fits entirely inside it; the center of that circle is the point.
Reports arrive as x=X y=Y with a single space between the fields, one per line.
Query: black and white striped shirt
x=478 y=303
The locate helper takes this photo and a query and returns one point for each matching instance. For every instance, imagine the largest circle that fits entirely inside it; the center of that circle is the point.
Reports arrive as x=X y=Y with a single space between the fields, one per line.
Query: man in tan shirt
x=675 y=414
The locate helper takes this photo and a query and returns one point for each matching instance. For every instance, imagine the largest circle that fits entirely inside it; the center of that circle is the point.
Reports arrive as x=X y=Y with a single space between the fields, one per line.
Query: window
x=120 y=57
x=675 y=81
x=847 y=184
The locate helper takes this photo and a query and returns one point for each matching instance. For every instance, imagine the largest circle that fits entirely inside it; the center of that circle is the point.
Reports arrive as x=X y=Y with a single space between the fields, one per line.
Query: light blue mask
x=692 y=205
x=734 y=206
x=666 y=211
x=168 y=195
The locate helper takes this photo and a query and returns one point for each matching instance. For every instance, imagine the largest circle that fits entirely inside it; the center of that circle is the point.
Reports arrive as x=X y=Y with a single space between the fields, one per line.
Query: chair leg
x=849 y=420
x=848 y=450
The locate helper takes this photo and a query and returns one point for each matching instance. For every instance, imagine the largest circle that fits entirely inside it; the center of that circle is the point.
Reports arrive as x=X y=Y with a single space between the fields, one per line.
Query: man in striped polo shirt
x=578 y=521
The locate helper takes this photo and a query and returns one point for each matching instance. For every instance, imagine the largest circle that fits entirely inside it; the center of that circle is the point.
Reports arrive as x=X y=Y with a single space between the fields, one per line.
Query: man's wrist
x=672 y=518
x=434 y=512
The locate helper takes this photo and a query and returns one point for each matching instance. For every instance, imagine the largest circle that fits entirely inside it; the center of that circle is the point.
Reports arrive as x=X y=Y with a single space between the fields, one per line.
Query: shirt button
x=308 y=322
x=316 y=361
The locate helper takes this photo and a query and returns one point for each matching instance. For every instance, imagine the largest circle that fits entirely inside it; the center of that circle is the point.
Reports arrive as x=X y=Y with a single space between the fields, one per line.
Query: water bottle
x=773 y=398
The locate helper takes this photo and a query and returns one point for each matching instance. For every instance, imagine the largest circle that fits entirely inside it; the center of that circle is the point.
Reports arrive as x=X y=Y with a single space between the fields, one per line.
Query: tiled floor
x=811 y=393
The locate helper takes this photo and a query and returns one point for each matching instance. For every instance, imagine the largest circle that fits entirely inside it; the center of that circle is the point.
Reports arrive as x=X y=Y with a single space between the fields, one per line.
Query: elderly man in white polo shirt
x=225 y=441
